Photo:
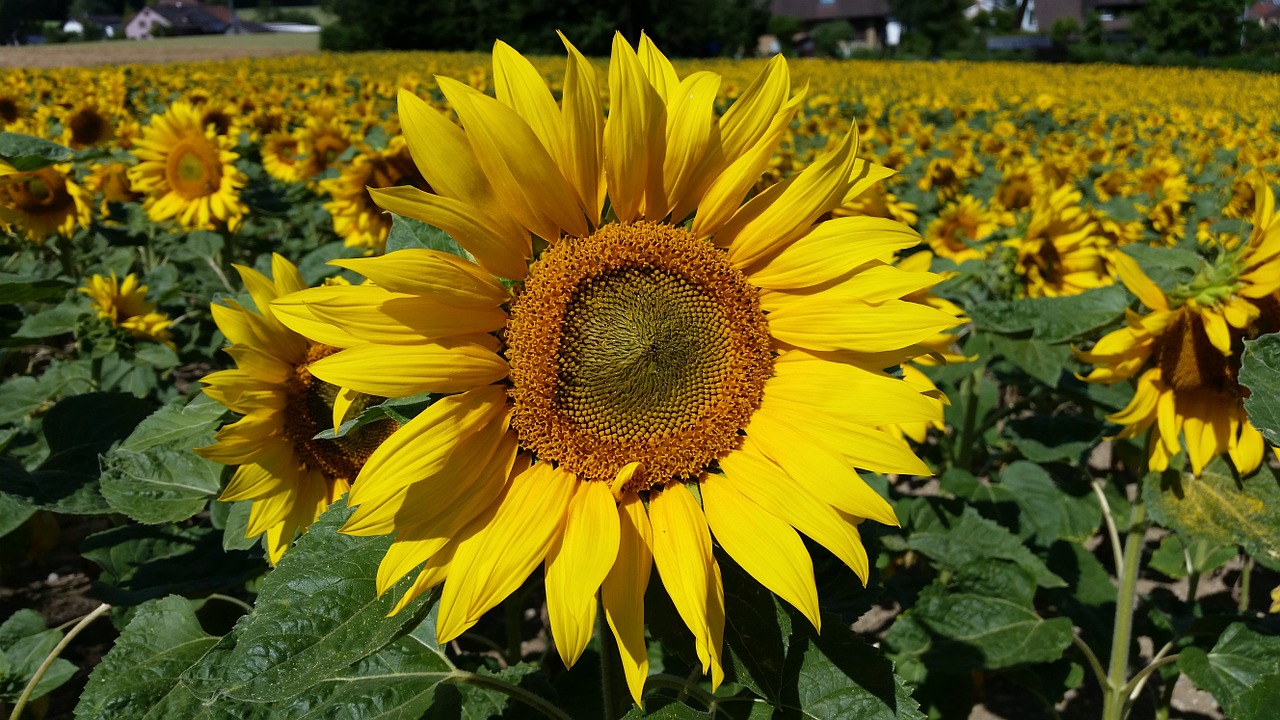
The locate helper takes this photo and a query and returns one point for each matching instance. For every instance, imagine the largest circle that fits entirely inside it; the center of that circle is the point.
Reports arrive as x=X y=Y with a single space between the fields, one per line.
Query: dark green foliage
x=941 y=23
x=698 y=28
x=1198 y=27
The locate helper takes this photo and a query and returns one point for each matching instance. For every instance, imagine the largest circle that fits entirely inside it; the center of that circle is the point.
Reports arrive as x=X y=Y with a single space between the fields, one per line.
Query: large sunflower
x=290 y=476
x=1186 y=351
x=187 y=171
x=643 y=388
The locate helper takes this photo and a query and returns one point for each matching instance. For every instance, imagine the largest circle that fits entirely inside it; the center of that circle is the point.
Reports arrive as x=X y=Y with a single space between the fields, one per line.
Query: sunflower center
x=641 y=344
x=1189 y=362
x=194 y=168
x=87 y=128
x=310 y=410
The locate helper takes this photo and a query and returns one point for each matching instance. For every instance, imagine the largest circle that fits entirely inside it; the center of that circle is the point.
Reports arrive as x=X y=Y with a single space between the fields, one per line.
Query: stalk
x=1116 y=698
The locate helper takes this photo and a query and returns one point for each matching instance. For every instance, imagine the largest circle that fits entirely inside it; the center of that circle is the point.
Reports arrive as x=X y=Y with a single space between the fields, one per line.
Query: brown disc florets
x=310 y=411
x=639 y=343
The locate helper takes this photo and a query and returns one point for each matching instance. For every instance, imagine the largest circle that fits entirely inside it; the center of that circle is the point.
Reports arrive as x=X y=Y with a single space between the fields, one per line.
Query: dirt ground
x=160 y=50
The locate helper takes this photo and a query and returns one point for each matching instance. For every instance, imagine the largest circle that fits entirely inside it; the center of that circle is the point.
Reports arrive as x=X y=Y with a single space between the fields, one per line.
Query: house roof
x=834 y=10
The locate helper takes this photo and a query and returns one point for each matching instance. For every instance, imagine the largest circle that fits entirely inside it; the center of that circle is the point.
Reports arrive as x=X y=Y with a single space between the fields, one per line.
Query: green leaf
x=139 y=676
x=1173 y=555
x=1045 y=439
x=837 y=675
x=1039 y=359
x=402 y=410
x=141 y=563
x=23 y=289
x=317 y=613
x=990 y=632
x=234 y=518
x=1239 y=661
x=1048 y=511
x=757 y=632
x=13 y=513
x=154 y=476
x=1219 y=508
x=78 y=429
x=1167 y=267
x=410 y=233
x=1260 y=372
x=669 y=711
x=956 y=541
x=57 y=320
x=1052 y=320
x=24 y=644
x=26 y=153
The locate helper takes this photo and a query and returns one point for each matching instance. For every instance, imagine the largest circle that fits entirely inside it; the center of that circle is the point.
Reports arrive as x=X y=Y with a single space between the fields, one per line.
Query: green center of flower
x=194 y=168
x=310 y=411
x=641 y=344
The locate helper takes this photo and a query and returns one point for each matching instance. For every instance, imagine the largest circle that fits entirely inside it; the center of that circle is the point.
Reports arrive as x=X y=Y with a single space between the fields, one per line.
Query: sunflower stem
x=612 y=681
x=53 y=655
x=1116 y=698
x=513 y=609
x=537 y=702
x=1245 y=575
x=970 y=389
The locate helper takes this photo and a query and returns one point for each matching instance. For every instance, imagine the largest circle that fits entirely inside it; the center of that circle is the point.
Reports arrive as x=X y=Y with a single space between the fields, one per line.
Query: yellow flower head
x=125 y=305
x=960 y=224
x=1060 y=252
x=186 y=171
x=1186 y=351
x=290 y=476
x=356 y=219
x=641 y=390
x=43 y=203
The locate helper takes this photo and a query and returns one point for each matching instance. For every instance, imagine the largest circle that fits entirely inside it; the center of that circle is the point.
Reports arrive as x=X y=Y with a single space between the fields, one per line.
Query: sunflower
x=640 y=392
x=187 y=172
x=43 y=203
x=324 y=140
x=111 y=180
x=125 y=306
x=282 y=156
x=90 y=122
x=1060 y=253
x=356 y=218
x=958 y=227
x=290 y=476
x=1186 y=351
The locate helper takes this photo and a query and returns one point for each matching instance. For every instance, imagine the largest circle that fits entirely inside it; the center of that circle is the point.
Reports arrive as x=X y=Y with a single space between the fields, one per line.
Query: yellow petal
x=817 y=468
x=445 y=158
x=524 y=177
x=1215 y=326
x=433 y=573
x=765 y=546
x=689 y=121
x=622 y=593
x=682 y=552
x=832 y=249
x=285 y=275
x=419 y=451
x=758 y=230
x=520 y=87
x=439 y=275
x=723 y=198
x=298 y=317
x=849 y=392
x=445 y=366
x=500 y=252
x=510 y=545
x=260 y=365
x=251 y=481
x=435 y=514
x=658 y=69
x=577 y=564
x=584 y=132
x=342 y=402
x=633 y=135
x=758 y=478
x=874 y=283
x=863 y=175
x=833 y=324
x=1138 y=283
x=374 y=315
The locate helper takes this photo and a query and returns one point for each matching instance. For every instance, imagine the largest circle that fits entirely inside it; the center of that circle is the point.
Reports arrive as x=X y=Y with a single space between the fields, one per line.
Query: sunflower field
x=427 y=385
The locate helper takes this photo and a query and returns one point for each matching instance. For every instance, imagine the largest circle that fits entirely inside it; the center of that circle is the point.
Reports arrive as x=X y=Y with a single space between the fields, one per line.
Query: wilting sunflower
x=1188 y=351
x=1060 y=252
x=290 y=476
x=125 y=305
x=43 y=203
x=642 y=390
x=187 y=171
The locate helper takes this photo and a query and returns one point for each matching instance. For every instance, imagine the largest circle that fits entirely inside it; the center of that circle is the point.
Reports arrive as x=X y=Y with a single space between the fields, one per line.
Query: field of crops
x=412 y=385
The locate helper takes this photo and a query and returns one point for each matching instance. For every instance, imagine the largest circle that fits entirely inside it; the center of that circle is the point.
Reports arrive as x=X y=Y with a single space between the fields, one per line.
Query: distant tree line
x=690 y=28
